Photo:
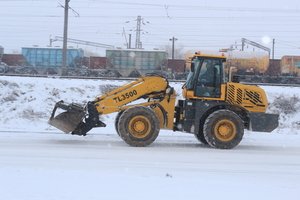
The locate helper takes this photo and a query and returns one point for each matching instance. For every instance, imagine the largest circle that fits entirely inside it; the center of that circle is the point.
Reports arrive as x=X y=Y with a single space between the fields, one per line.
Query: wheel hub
x=139 y=127
x=225 y=130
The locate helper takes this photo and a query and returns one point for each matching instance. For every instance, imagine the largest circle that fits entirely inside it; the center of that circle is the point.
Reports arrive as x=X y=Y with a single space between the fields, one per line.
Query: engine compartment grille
x=245 y=95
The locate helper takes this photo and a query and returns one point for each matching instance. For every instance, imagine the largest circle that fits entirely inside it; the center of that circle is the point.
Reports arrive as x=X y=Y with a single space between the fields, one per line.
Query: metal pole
x=273 y=48
x=173 y=39
x=243 y=44
x=173 y=48
x=64 y=50
x=138 y=33
x=129 y=43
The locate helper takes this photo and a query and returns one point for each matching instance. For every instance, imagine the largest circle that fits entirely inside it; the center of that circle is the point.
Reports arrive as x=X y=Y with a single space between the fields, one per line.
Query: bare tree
x=178 y=51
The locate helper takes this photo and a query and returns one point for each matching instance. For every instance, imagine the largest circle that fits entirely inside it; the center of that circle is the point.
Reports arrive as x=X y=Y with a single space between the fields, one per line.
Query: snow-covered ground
x=39 y=162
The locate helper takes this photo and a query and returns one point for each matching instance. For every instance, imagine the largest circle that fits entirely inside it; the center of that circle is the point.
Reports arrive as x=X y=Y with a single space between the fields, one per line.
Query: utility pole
x=124 y=34
x=138 y=31
x=129 y=42
x=138 y=43
x=173 y=39
x=64 y=50
x=243 y=44
x=273 y=48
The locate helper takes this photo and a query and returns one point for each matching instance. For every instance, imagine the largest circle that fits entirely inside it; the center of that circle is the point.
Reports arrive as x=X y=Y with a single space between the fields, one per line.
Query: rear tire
x=223 y=129
x=138 y=126
x=200 y=135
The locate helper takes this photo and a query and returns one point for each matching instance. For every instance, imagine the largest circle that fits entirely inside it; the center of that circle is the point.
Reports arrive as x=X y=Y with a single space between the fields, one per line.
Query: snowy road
x=39 y=163
x=50 y=165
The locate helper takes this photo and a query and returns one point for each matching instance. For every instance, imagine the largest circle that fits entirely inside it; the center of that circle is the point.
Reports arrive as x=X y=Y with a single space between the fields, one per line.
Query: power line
x=171 y=6
x=197 y=7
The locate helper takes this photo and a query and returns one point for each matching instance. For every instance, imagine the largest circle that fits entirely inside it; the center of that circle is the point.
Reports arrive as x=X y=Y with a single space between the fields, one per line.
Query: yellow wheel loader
x=214 y=110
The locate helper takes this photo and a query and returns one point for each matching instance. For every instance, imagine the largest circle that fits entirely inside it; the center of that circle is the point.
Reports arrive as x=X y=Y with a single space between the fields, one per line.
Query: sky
x=196 y=24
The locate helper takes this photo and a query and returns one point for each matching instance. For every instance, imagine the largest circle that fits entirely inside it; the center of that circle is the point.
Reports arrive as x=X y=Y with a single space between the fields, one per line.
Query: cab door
x=210 y=78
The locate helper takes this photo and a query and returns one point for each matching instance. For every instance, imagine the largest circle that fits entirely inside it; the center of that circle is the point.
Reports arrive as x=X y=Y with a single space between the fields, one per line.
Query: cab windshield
x=190 y=79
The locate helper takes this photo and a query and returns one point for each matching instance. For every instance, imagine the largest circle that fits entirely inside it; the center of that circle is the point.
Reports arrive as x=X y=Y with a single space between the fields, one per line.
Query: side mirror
x=192 y=67
x=232 y=71
x=236 y=79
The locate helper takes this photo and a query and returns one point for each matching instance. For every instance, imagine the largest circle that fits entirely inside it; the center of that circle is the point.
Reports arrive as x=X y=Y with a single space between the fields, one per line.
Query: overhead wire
x=280 y=14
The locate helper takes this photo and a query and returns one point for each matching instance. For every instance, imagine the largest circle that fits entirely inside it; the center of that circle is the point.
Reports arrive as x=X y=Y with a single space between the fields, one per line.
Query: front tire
x=138 y=126
x=117 y=121
x=223 y=129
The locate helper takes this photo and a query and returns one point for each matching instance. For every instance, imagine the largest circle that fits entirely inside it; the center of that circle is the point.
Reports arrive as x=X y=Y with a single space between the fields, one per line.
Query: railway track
x=129 y=79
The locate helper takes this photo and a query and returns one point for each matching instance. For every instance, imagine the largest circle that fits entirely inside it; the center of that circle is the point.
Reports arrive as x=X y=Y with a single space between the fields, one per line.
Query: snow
x=37 y=161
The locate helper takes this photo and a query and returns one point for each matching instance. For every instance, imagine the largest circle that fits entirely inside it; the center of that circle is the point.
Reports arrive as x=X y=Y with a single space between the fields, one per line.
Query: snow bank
x=285 y=101
x=26 y=103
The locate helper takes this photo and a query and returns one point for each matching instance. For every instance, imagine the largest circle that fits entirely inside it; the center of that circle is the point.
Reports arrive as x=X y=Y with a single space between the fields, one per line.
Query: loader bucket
x=69 y=120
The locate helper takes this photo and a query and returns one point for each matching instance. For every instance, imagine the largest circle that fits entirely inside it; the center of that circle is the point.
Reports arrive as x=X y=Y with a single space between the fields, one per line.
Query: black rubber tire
x=151 y=126
x=117 y=121
x=213 y=134
x=200 y=136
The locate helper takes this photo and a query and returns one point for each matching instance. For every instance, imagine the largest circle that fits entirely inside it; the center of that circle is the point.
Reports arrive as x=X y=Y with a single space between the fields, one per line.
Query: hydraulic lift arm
x=80 y=119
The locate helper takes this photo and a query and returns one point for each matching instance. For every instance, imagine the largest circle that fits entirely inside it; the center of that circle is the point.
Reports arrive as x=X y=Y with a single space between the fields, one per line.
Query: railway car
x=248 y=62
x=52 y=57
x=1 y=53
x=14 y=59
x=290 y=65
x=129 y=61
x=251 y=67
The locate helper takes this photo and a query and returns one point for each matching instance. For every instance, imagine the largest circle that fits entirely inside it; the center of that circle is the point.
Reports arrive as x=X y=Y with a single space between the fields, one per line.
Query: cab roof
x=199 y=54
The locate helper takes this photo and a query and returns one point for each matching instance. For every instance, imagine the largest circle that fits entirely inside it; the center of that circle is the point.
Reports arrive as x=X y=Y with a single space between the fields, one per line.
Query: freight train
x=126 y=63
x=133 y=63
x=265 y=70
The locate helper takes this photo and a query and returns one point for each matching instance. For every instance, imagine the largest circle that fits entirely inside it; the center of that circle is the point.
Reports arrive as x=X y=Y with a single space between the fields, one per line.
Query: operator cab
x=206 y=76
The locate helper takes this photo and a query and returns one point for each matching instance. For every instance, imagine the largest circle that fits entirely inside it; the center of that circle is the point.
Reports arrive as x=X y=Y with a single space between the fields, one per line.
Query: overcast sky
x=197 y=24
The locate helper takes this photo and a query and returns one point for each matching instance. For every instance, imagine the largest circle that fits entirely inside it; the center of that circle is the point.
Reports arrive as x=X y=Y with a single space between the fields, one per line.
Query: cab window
x=210 y=78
